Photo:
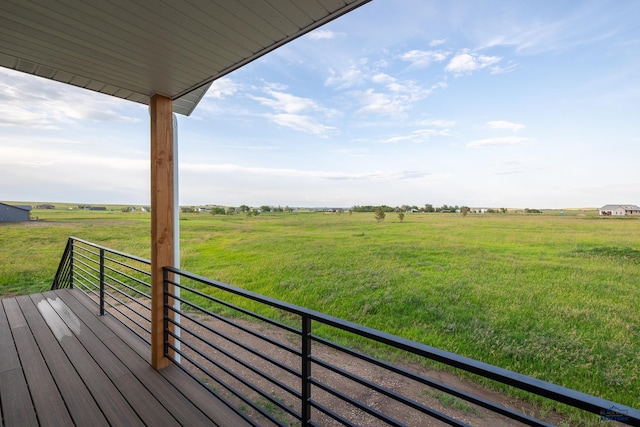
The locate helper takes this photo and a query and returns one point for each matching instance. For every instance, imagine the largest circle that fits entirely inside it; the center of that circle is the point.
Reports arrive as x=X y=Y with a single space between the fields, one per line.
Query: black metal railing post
x=101 y=281
x=306 y=370
x=165 y=311
x=71 y=249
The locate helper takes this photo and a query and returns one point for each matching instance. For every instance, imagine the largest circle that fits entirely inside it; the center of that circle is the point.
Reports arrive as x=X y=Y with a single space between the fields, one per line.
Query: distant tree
x=401 y=216
x=380 y=214
x=503 y=210
x=370 y=208
x=464 y=211
x=265 y=208
x=218 y=210
x=244 y=208
x=230 y=210
x=429 y=208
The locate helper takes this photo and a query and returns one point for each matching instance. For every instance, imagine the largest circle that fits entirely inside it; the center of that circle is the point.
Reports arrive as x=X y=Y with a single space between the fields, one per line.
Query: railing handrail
x=113 y=251
x=536 y=386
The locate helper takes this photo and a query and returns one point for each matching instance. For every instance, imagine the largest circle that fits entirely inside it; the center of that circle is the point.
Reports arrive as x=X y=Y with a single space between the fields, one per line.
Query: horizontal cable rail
x=273 y=363
x=119 y=283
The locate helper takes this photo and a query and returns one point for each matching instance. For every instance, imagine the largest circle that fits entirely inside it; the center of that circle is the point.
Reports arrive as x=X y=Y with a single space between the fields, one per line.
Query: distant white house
x=619 y=210
x=479 y=210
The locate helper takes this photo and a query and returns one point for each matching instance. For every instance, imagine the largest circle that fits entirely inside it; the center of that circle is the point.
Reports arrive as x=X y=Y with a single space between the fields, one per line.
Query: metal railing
x=275 y=363
x=116 y=281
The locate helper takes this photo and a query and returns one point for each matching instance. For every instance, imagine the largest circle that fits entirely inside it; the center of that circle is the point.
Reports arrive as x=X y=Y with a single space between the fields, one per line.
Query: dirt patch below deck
x=428 y=396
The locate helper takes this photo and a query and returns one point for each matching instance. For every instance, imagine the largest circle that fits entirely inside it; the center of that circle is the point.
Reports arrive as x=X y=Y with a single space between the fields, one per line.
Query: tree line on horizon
x=427 y=208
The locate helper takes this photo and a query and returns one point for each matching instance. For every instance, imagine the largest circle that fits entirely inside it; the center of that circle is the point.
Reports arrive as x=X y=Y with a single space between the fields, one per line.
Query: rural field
x=552 y=296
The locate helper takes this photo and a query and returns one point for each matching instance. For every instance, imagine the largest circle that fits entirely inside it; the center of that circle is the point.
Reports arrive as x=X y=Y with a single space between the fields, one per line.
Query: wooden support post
x=162 y=217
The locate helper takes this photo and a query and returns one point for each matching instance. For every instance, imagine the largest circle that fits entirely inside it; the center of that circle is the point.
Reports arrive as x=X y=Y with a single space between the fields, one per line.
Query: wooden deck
x=62 y=365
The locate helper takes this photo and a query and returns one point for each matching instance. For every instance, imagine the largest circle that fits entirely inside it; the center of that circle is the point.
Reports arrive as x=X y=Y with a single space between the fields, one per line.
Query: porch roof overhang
x=134 y=49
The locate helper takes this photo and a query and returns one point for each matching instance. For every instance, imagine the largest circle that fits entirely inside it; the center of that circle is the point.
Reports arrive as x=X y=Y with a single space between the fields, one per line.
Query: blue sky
x=494 y=103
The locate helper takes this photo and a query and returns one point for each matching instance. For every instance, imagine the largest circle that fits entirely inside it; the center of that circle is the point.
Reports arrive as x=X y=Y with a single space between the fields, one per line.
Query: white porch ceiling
x=133 y=49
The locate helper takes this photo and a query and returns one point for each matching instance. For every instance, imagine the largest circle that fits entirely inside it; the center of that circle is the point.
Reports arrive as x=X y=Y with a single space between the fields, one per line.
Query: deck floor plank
x=111 y=402
x=8 y=354
x=78 y=400
x=15 y=400
x=167 y=395
x=63 y=365
x=44 y=392
x=142 y=401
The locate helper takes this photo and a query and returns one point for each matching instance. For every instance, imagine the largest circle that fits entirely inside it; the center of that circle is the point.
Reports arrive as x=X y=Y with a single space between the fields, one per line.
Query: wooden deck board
x=44 y=392
x=140 y=399
x=15 y=400
x=62 y=365
x=167 y=396
x=78 y=401
x=108 y=398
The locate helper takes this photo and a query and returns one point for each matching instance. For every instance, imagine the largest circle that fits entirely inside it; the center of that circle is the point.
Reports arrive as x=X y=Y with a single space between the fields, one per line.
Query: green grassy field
x=554 y=297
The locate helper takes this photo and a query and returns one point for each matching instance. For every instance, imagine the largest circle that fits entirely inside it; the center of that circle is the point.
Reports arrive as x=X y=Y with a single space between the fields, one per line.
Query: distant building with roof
x=11 y=213
x=619 y=210
x=479 y=210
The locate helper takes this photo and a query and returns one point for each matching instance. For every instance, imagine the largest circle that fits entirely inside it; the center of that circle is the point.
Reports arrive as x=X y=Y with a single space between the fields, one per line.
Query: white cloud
x=299 y=173
x=586 y=23
x=400 y=97
x=499 y=69
x=302 y=123
x=383 y=78
x=498 y=142
x=438 y=123
x=287 y=103
x=466 y=63
x=322 y=34
x=353 y=76
x=437 y=42
x=418 y=136
x=380 y=103
x=222 y=88
x=503 y=124
x=38 y=103
x=296 y=112
x=44 y=157
x=424 y=58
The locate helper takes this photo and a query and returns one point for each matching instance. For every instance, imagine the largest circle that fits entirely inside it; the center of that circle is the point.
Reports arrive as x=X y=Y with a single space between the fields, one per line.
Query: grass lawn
x=554 y=297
